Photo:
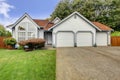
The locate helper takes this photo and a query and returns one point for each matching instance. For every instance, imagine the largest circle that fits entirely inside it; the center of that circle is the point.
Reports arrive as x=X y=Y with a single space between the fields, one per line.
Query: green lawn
x=116 y=33
x=21 y=65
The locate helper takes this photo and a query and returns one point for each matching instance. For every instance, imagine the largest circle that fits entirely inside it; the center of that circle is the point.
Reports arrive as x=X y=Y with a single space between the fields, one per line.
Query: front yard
x=21 y=65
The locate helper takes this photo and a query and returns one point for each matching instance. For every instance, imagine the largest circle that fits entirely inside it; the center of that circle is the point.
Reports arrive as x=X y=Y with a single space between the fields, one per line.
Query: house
x=73 y=31
x=26 y=28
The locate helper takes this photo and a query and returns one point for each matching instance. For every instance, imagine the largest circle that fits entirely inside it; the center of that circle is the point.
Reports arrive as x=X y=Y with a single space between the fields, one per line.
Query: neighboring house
x=74 y=30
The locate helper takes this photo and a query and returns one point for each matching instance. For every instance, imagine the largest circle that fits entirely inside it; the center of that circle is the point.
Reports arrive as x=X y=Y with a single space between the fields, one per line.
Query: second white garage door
x=101 y=39
x=65 y=39
x=84 y=39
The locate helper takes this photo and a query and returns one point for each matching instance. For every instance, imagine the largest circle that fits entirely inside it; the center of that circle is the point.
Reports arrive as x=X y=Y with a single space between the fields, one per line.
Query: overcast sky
x=11 y=10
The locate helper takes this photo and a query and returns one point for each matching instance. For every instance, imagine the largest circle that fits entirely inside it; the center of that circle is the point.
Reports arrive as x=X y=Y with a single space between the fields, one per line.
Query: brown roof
x=43 y=23
x=49 y=25
x=102 y=26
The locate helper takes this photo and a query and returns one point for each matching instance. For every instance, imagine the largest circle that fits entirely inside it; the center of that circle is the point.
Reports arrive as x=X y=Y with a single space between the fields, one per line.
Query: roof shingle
x=102 y=26
x=45 y=24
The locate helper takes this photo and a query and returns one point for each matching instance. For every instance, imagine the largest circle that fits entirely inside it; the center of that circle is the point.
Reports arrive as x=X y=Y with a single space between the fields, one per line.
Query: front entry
x=48 y=37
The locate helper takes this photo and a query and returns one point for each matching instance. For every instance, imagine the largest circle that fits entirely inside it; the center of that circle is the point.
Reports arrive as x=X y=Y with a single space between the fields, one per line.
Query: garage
x=84 y=39
x=65 y=39
x=101 y=39
x=77 y=31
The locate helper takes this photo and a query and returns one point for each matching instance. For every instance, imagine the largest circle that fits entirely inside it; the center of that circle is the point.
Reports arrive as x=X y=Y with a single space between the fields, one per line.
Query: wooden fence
x=115 y=41
x=2 y=45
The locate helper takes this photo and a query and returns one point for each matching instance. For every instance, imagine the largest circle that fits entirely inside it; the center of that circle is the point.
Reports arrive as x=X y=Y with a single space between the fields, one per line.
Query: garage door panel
x=101 y=39
x=84 y=39
x=65 y=39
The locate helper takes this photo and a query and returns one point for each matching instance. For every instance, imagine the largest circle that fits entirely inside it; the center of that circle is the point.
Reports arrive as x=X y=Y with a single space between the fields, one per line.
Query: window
x=26 y=31
x=31 y=35
x=20 y=28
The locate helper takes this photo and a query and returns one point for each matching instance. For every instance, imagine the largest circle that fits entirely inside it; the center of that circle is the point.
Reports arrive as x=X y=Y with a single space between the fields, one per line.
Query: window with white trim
x=26 y=31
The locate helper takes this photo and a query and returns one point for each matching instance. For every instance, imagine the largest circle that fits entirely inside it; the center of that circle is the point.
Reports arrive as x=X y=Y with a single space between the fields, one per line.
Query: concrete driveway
x=88 y=63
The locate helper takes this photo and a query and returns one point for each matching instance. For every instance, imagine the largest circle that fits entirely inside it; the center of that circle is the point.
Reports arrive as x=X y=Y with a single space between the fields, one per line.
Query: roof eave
x=108 y=30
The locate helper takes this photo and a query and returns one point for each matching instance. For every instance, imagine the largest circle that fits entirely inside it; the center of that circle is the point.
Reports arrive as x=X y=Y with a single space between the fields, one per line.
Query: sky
x=11 y=10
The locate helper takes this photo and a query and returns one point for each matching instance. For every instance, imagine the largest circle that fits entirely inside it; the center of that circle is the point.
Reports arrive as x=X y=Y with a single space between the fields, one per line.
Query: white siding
x=109 y=38
x=102 y=39
x=13 y=34
x=31 y=28
x=75 y=24
x=41 y=34
x=53 y=38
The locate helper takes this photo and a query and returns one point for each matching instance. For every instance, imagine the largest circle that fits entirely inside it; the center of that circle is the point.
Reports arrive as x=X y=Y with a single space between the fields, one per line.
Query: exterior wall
x=27 y=20
x=102 y=38
x=109 y=38
x=41 y=34
x=53 y=38
x=13 y=34
x=75 y=24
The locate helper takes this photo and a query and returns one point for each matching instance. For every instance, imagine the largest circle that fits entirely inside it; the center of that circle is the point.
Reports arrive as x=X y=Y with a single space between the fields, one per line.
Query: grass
x=116 y=33
x=21 y=65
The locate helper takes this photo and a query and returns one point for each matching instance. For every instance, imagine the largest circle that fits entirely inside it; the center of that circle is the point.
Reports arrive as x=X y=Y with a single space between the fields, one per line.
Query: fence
x=115 y=41
x=2 y=45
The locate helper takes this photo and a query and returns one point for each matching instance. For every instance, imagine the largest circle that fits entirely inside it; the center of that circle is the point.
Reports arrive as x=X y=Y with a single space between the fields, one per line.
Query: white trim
x=21 y=18
x=79 y=16
x=57 y=18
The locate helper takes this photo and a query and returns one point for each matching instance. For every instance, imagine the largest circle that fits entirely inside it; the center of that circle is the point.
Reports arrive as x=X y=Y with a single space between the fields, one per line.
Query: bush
x=20 y=48
x=8 y=34
x=35 y=43
x=10 y=41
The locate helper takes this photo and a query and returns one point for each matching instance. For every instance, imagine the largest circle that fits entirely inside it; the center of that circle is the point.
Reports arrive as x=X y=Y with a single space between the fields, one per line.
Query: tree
x=62 y=10
x=104 y=11
x=3 y=32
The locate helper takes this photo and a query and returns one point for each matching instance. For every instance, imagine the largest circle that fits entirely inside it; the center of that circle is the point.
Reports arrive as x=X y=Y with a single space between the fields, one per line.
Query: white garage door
x=65 y=39
x=101 y=39
x=84 y=39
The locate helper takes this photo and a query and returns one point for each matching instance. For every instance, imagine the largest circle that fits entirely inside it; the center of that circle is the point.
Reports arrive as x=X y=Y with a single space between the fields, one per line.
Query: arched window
x=21 y=28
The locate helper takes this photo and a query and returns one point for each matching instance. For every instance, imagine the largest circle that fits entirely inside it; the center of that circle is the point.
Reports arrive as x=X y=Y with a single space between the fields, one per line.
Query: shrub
x=10 y=41
x=35 y=43
x=20 y=47
x=8 y=34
